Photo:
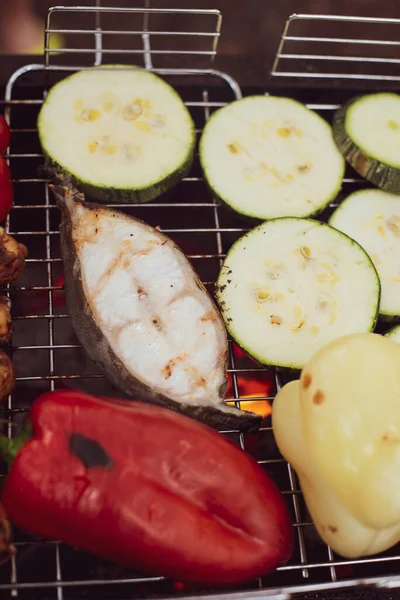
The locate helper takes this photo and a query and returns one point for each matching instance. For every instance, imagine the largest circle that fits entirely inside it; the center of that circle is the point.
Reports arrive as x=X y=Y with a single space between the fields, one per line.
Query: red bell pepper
x=6 y=189
x=146 y=487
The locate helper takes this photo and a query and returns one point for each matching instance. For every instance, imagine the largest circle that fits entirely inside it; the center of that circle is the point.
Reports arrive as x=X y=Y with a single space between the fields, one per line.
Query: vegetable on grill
x=12 y=258
x=289 y=286
x=7 y=375
x=123 y=134
x=367 y=132
x=7 y=549
x=145 y=487
x=269 y=157
x=142 y=314
x=5 y=320
x=339 y=427
x=6 y=190
x=4 y=135
x=372 y=218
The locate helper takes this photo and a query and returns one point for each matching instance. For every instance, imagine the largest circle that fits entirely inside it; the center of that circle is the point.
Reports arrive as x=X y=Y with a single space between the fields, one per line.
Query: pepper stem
x=9 y=447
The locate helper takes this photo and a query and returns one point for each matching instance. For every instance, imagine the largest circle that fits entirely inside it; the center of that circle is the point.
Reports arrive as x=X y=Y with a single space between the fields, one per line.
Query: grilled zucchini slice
x=367 y=132
x=122 y=134
x=372 y=218
x=290 y=286
x=268 y=157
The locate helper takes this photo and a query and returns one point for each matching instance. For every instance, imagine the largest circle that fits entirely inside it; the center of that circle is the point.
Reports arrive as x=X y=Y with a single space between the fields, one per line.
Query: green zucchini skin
x=253 y=221
x=287 y=371
x=112 y=195
x=383 y=176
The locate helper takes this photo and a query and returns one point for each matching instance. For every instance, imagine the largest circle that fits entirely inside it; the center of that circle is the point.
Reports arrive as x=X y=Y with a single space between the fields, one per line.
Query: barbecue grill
x=321 y=60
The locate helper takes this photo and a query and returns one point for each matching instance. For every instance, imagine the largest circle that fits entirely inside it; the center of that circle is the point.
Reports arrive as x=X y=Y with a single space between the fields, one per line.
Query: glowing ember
x=250 y=386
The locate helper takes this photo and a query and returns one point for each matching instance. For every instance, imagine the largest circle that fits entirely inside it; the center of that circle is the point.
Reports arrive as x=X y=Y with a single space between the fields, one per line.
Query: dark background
x=251 y=29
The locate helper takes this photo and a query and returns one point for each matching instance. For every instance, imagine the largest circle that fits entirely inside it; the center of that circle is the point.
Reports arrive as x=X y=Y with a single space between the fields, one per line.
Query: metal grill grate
x=45 y=349
x=333 y=48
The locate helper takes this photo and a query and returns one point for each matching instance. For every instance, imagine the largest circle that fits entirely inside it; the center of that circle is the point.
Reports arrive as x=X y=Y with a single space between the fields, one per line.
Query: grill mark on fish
x=116 y=330
x=123 y=259
x=197 y=380
x=200 y=380
x=104 y=279
x=208 y=316
x=169 y=367
x=190 y=369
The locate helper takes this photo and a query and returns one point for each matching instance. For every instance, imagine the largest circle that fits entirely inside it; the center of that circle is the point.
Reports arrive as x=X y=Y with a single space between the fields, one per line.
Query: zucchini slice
x=394 y=334
x=372 y=218
x=290 y=286
x=367 y=132
x=268 y=157
x=123 y=135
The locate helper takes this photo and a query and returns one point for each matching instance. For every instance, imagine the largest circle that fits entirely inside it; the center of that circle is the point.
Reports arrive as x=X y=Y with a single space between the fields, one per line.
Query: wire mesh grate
x=46 y=352
x=332 y=48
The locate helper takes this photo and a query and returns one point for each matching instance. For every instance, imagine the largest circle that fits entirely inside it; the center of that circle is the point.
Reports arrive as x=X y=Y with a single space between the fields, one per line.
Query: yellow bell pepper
x=339 y=427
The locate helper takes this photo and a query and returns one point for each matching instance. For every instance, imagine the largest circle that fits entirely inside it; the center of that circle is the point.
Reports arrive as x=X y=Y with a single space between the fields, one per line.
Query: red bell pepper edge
x=164 y=493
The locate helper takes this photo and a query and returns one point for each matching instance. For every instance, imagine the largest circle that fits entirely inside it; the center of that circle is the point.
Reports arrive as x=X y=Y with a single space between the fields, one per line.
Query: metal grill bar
x=139 y=32
x=297 y=38
x=292 y=62
x=133 y=51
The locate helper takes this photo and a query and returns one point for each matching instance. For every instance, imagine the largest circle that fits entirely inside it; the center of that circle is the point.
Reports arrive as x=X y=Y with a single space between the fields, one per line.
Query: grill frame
x=220 y=230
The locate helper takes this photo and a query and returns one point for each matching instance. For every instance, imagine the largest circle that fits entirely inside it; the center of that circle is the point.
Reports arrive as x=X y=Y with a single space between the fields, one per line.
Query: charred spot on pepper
x=319 y=397
x=332 y=529
x=89 y=452
x=391 y=437
x=307 y=380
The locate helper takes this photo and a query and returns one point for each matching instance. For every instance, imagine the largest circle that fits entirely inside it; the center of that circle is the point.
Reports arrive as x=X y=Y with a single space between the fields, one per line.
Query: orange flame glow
x=251 y=385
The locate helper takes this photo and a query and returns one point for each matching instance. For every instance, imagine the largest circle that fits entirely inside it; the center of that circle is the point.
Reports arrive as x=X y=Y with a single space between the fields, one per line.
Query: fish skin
x=218 y=416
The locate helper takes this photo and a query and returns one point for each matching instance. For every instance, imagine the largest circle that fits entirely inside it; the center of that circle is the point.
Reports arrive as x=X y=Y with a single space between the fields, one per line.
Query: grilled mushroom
x=12 y=258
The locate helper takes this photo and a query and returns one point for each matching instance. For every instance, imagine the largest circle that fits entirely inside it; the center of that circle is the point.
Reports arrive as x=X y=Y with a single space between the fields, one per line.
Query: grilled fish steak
x=142 y=314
